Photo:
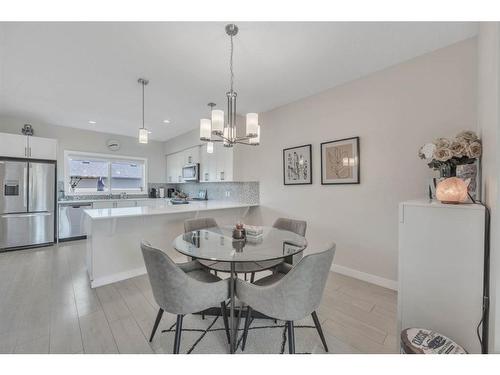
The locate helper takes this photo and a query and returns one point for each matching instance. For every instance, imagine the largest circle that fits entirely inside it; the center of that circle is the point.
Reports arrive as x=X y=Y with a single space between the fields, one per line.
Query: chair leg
x=252 y=277
x=203 y=315
x=291 y=337
x=320 y=331
x=157 y=322
x=178 y=332
x=248 y=320
x=226 y=320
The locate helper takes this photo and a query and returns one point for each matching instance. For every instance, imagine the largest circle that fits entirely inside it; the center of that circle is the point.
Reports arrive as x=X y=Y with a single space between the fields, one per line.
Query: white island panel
x=115 y=234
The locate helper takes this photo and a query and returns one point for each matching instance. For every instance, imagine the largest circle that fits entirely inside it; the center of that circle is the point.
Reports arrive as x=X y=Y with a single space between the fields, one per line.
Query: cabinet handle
x=222 y=176
x=29 y=150
x=26 y=151
x=206 y=176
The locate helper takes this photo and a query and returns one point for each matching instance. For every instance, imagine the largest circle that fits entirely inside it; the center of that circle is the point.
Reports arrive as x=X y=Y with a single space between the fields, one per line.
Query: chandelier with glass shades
x=218 y=130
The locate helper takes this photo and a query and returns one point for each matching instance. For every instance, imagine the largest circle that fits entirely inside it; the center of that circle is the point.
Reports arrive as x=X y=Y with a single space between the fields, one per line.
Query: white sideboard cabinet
x=441 y=262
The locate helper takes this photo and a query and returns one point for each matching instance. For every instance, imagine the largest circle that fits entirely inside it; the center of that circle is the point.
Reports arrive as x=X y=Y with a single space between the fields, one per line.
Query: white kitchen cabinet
x=441 y=255
x=42 y=148
x=191 y=155
x=103 y=204
x=125 y=203
x=215 y=167
x=22 y=146
x=223 y=163
x=13 y=145
x=175 y=162
x=208 y=165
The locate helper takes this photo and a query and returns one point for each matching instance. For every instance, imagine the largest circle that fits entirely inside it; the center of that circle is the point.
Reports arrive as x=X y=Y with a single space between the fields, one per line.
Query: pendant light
x=226 y=131
x=143 y=132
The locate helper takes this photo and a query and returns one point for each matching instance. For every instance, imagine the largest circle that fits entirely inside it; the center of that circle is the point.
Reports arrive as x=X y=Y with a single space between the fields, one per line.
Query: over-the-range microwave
x=191 y=172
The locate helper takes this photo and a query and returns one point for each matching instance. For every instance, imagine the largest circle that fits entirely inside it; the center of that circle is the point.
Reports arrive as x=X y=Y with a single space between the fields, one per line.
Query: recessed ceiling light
x=92 y=122
x=166 y=121
x=149 y=131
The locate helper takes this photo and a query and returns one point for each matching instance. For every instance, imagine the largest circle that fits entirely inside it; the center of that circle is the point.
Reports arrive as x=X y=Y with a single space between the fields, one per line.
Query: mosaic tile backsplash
x=245 y=192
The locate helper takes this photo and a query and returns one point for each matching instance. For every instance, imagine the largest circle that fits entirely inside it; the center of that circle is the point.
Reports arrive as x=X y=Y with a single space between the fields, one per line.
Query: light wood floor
x=47 y=306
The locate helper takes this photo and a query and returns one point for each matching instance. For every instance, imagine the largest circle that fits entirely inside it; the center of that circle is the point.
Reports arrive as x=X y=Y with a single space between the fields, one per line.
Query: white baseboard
x=369 y=278
x=105 y=280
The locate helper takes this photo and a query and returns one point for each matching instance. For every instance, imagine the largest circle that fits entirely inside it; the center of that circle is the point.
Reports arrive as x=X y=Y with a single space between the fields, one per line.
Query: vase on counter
x=447 y=170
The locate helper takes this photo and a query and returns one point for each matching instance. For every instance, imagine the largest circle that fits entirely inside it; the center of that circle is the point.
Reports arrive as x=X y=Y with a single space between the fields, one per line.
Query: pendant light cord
x=143 y=104
x=231 y=65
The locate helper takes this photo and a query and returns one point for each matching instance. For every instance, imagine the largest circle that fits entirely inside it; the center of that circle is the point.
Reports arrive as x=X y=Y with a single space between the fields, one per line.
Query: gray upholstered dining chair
x=182 y=289
x=199 y=223
x=289 y=296
x=296 y=226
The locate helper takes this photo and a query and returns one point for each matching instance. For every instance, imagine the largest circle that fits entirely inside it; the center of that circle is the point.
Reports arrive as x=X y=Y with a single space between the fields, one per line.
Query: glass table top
x=217 y=244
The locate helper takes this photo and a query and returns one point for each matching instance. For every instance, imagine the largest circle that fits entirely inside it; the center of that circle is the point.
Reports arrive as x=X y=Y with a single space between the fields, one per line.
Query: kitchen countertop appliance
x=153 y=193
x=27 y=203
x=191 y=172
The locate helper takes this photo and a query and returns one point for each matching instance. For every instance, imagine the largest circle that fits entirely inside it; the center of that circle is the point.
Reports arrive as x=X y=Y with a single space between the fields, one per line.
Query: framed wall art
x=297 y=165
x=340 y=162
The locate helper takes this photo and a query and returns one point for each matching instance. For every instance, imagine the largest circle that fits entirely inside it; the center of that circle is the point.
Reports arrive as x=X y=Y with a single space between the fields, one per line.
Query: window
x=101 y=174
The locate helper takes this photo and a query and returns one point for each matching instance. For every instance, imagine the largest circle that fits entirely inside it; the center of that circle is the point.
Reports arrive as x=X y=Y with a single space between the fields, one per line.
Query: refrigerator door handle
x=31 y=214
x=25 y=190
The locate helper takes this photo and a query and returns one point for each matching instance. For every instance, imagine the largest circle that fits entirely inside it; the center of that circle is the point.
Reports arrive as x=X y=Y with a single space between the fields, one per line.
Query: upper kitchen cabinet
x=177 y=160
x=191 y=155
x=215 y=167
x=22 y=146
x=13 y=145
x=208 y=165
x=42 y=148
x=223 y=162
x=174 y=167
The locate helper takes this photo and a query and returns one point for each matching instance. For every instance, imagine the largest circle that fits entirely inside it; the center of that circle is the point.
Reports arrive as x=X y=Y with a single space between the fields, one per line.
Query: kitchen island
x=115 y=234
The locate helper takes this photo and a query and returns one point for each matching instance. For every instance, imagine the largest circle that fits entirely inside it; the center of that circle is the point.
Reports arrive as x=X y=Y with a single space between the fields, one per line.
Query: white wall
x=488 y=122
x=182 y=142
x=394 y=112
x=92 y=141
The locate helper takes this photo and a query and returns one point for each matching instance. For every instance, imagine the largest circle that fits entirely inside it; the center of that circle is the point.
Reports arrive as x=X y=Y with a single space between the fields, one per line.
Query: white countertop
x=163 y=208
x=129 y=198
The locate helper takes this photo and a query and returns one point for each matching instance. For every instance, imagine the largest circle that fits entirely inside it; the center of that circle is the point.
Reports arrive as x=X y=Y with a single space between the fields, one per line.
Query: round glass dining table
x=253 y=254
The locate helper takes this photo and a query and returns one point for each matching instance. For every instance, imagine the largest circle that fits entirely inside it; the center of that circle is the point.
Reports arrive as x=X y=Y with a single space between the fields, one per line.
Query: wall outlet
x=228 y=193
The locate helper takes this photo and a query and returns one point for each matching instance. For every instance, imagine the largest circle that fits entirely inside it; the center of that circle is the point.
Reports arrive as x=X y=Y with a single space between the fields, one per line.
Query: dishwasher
x=72 y=221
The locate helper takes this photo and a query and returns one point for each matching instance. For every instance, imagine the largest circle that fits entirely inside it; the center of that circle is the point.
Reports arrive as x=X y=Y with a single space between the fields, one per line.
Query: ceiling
x=69 y=73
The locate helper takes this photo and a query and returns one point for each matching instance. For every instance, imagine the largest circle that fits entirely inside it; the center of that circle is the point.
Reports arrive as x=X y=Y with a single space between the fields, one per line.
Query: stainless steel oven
x=191 y=172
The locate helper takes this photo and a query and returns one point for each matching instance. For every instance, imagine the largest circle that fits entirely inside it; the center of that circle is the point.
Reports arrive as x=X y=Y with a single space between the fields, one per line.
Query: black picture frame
x=358 y=166
x=310 y=166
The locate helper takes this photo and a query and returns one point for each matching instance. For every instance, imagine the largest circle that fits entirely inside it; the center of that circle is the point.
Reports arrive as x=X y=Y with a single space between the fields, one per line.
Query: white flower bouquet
x=444 y=154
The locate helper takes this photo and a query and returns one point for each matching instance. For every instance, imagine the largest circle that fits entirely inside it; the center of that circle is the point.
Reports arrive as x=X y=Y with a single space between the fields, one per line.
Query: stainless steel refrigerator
x=27 y=203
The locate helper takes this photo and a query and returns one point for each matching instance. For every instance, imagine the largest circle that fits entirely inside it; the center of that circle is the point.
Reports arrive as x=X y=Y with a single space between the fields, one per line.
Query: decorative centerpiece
x=445 y=154
x=239 y=232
